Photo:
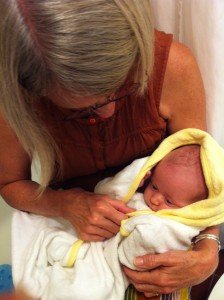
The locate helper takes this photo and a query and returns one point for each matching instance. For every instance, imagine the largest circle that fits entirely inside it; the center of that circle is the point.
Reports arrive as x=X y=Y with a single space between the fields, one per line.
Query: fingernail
x=138 y=261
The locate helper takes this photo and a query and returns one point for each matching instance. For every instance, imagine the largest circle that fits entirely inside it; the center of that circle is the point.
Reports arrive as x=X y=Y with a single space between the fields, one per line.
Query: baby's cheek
x=163 y=206
x=147 y=196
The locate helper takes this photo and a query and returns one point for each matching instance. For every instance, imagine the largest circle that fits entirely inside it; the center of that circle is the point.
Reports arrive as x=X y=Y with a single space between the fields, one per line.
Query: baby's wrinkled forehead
x=180 y=175
x=184 y=161
x=184 y=156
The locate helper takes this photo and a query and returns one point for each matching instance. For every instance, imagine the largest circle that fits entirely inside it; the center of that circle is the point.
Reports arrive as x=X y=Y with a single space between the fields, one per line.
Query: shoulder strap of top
x=163 y=42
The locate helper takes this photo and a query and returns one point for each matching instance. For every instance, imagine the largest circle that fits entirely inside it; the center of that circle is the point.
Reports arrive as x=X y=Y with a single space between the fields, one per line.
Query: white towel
x=44 y=246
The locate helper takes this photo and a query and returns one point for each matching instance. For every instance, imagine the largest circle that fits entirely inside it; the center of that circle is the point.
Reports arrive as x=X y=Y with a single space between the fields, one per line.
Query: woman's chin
x=106 y=111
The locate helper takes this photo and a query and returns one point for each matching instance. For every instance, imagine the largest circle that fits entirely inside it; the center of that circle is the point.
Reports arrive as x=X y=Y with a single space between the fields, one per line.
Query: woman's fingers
x=113 y=210
x=120 y=206
x=153 y=296
x=146 y=288
x=144 y=281
x=107 y=230
x=118 y=211
x=136 y=277
x=90 y=237
x=110 y=226
x=102 y=209
x=173 y=270
x=115 y=216
x=98 y=229
x=167 y=272
x=152 y=261
x=161 y=277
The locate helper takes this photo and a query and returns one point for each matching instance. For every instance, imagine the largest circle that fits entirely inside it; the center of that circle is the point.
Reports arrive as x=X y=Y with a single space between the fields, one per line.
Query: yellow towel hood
x=204 y=213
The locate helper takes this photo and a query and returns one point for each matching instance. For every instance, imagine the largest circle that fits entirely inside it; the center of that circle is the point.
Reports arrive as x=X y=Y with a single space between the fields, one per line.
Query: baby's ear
x=147 y=175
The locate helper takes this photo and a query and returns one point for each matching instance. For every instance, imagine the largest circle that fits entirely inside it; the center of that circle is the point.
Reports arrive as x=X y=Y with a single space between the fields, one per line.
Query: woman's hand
x=173 y=270
x=94 y=217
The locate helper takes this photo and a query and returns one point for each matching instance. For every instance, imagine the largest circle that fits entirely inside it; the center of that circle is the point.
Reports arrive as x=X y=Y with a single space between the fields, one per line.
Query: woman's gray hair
x=87 y=47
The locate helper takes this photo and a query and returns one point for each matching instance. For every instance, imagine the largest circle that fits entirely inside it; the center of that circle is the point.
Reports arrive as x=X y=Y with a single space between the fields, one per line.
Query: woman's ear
x=147 y=175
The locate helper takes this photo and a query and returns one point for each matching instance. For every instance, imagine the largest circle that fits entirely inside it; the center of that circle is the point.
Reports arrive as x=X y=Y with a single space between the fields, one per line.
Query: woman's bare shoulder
x=183 y=97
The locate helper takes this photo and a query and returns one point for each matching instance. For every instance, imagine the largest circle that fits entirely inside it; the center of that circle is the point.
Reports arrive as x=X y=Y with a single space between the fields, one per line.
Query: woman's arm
x=183 y=105
x=95 y=217
x=16 y=186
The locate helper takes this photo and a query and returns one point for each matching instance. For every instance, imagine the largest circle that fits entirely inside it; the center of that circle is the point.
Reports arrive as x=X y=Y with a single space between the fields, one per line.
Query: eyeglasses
x=91 y=110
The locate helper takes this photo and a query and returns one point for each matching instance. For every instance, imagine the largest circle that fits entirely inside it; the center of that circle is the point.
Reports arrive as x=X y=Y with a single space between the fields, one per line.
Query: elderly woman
x=87 y=86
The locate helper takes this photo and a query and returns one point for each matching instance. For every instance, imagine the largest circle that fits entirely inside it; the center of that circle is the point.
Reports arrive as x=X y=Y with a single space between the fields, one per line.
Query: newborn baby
x=176 y=181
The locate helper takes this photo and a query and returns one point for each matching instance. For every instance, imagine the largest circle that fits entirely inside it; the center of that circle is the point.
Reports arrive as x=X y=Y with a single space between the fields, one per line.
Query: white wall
x=199 y=25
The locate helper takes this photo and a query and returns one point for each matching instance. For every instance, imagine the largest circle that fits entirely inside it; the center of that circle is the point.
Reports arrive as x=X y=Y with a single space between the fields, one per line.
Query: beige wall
x=5 y=238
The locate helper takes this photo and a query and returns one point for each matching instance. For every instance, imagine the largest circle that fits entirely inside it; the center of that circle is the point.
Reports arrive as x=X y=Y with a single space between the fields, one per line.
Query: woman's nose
x=157 y=198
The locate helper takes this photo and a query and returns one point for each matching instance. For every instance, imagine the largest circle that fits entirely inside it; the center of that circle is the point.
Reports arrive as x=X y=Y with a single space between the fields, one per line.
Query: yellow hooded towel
x=204 y=213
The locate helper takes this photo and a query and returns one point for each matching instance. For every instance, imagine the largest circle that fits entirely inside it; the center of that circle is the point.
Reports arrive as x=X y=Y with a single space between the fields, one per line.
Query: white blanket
x=41 y=248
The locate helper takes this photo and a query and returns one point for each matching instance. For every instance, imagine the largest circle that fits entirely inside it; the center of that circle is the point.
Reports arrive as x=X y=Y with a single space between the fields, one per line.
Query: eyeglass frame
x=89 y=110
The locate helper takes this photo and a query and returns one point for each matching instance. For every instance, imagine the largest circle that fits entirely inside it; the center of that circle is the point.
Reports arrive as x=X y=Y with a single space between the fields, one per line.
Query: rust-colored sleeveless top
x=94 y=148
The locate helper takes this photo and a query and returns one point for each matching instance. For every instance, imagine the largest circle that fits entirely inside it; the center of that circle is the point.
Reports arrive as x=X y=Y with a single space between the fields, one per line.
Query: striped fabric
x=132 y=294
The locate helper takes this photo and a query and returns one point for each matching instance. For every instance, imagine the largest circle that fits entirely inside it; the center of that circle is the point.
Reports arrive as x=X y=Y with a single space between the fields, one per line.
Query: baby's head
x=177 y=180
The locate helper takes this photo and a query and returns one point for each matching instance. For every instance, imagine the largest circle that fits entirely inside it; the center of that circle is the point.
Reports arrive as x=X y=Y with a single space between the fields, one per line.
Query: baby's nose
x=157 y=198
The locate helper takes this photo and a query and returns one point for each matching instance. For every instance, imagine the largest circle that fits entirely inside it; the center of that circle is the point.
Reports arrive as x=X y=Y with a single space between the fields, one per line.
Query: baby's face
x=173 y=186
